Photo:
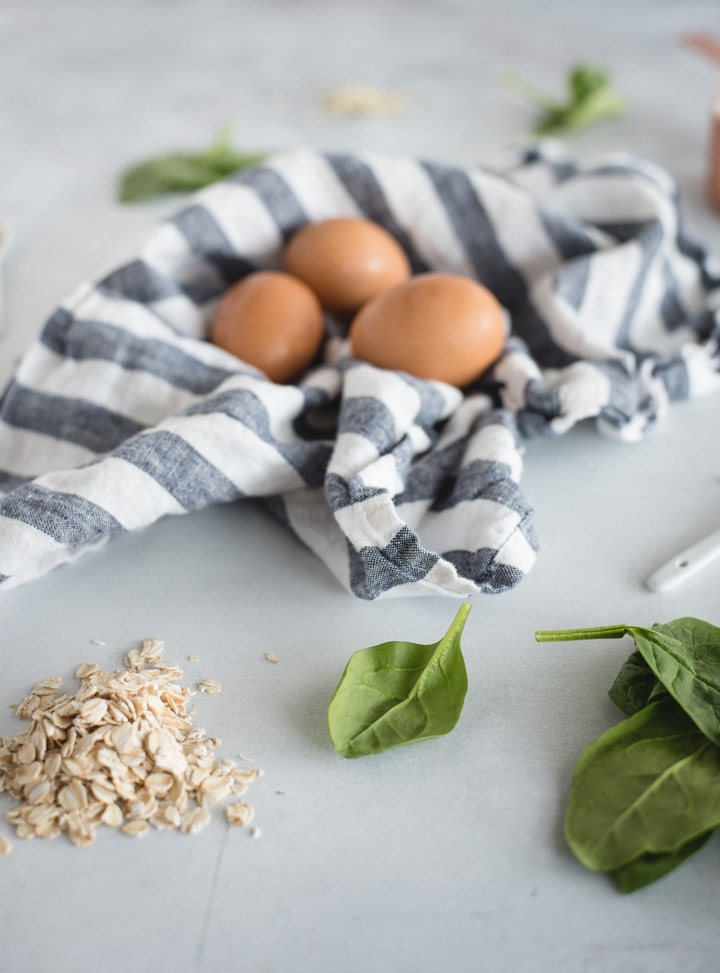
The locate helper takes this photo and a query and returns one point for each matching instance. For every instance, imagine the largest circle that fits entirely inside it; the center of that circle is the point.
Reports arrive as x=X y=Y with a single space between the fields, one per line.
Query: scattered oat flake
x=358 y=100
x=239 y=814
x=120 y=752
x=193 y=658
x=271 y=657
x=255 y=832
x=98 y=642
x=210 y=686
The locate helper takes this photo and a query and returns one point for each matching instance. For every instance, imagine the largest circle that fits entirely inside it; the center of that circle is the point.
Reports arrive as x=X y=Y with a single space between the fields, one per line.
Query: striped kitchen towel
x=121 y=412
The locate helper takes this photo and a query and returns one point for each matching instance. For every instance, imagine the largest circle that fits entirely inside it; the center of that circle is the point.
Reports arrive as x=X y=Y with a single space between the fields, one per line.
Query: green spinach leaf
x=677 y=653
x=397 y=693
x=648 y=786
x=694 y=631
x=649 y=868
x=183 y=172
x=635 y=685
x=690 y=671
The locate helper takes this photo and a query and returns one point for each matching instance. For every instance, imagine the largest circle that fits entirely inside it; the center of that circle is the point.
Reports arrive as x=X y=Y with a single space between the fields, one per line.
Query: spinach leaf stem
x=576 y=634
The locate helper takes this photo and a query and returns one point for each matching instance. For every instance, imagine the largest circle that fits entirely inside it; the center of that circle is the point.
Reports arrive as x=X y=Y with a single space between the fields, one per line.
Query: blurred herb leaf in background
x=183 y=172
x=590 y=99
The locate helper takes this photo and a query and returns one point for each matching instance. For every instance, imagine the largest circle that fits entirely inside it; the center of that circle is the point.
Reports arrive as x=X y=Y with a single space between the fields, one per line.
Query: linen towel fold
x=121 y=412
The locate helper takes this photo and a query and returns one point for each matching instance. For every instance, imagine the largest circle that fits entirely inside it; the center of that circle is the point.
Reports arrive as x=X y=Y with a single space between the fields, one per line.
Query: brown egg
x=346 y=261
x=438 y=326
x=272 y=321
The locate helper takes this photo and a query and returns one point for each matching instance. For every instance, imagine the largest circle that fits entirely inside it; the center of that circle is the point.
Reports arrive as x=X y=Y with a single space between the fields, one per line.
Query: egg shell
x=270 y=320
x=436 y=326
x=346 y=261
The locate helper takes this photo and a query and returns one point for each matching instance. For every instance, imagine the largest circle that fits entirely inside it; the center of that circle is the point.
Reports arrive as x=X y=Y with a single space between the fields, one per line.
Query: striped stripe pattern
x=121 y=413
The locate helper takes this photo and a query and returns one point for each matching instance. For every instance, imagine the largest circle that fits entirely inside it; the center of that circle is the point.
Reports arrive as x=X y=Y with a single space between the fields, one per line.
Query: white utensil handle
x=686 y=564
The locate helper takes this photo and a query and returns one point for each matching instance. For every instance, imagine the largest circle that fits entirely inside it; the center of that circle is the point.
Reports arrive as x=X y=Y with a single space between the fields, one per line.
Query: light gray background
x=447 y=855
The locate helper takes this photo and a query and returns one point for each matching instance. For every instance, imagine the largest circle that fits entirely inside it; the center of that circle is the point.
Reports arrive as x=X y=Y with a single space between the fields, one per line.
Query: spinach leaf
x=690 y=671
x=694 y=631
x=677 y=653
x=397 y=693
x=648 y=786
x=635 y=685
x=649 y=868
x=182 y=172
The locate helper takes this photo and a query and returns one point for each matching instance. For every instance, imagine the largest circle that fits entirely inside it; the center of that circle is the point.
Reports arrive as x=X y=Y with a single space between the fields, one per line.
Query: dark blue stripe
x=361 y=183
x=340 y=495
x=179 y=469
x=569 y=236
x=672 y=311
x=674 y=375
x=433 y=405
x=279 y=200
x=369 y=417
x=137 y=281
x=9 y=481
x=207 y=239
x=624 y=392
x=571 y=281
x=561 y=170
x=73 y=420
x=700 y=256
x=481 y=566
x=403 y=561
x=624 y=230
x=87 y=340
x=69 y=519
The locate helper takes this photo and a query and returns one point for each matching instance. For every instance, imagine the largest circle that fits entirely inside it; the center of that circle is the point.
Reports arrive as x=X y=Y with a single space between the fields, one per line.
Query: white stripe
x=316 y=186
x=129 y=494
x=472 y=525
x=370 y=523
x=135 y=318
x=24 y=452
x=618 y=198
x=590 y=333
x=185 y=315
x=137 y=395
x=494 y=444
x=352 y=454
x=22 y=544
x=252 y=465
x=583 y=391
x=244 y=219
x=419 y=211
x=310 y=518
x=517 y=226
x=382 y=475
x=611 y=279
x=48 y=561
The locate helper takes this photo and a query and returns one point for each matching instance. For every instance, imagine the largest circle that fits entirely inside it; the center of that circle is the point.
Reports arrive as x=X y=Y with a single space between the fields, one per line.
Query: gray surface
x=446 y=855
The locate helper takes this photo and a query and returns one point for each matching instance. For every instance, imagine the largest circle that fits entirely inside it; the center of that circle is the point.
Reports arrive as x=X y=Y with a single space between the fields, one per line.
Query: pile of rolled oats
x=358 y=100
x=121 y=751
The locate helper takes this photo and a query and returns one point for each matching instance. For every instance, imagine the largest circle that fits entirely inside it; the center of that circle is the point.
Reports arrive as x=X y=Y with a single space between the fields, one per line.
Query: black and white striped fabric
x=121 y=413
